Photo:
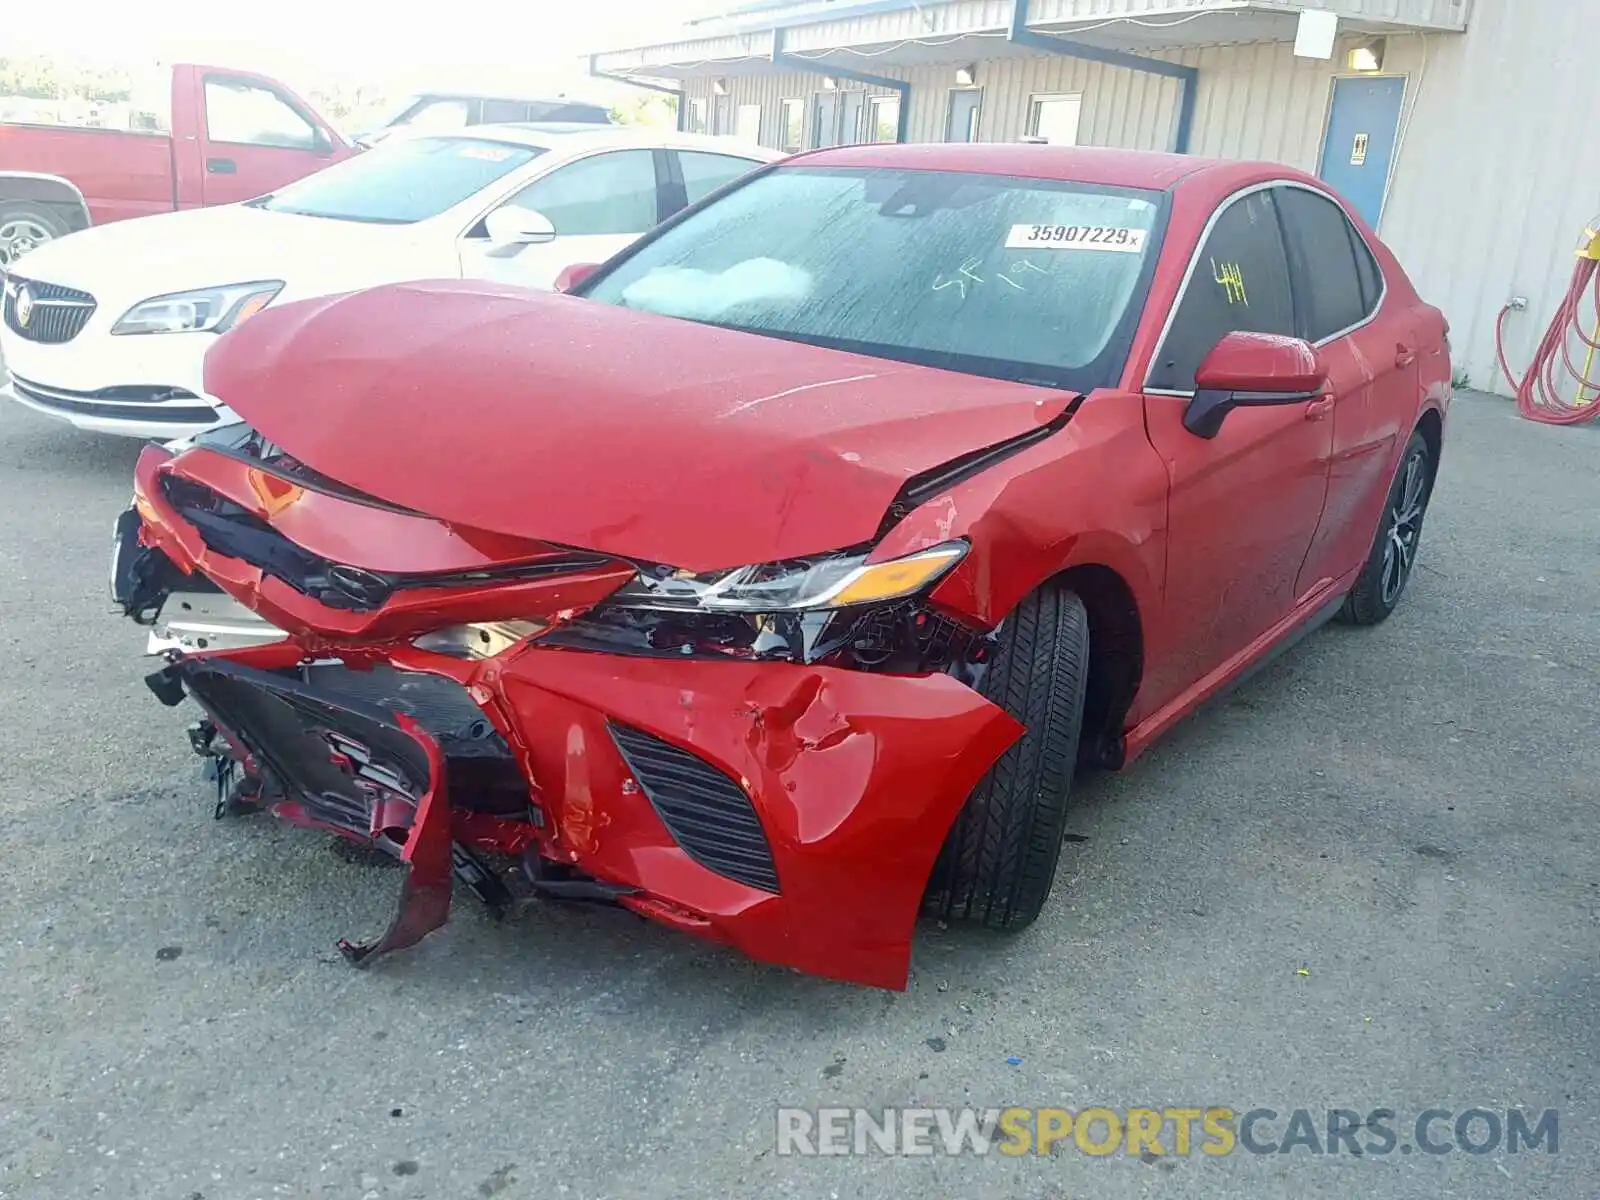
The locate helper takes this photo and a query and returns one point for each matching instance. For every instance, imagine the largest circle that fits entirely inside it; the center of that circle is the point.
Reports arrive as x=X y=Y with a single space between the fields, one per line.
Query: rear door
x=1372 y=373
x=256 y=137
x=1244 y=505
x=598 y=204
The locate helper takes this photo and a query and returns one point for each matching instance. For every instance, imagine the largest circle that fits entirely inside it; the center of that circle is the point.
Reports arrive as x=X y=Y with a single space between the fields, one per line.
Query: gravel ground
x=1365 y=881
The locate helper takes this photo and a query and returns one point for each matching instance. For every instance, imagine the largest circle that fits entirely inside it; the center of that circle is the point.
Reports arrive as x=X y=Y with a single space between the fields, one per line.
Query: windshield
x=403 y=181
x=1021 y=279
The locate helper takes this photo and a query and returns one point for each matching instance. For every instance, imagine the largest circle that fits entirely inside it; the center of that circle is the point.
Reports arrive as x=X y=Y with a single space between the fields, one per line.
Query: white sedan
x=108 y=328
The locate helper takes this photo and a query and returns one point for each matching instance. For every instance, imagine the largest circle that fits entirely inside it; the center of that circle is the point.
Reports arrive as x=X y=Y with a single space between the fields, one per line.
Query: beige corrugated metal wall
x=1496 y=174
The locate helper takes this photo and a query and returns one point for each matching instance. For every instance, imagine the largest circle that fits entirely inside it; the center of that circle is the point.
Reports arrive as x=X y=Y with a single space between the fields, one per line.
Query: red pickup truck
x=214 y=136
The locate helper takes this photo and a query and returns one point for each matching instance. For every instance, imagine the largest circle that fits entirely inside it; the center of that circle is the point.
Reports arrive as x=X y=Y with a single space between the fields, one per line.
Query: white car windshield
x=403 y=181
x=1026 y=279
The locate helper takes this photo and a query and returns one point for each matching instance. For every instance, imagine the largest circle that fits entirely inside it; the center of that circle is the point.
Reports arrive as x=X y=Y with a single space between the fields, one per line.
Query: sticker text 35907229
x=1075 y=237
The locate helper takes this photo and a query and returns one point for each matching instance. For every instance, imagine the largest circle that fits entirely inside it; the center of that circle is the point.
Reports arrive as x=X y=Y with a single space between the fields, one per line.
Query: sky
x=528 y=46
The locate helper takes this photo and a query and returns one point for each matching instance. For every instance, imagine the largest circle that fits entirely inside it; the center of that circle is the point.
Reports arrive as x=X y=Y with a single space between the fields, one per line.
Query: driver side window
x=603 y=195
x=246 y=113
x=1240 y=282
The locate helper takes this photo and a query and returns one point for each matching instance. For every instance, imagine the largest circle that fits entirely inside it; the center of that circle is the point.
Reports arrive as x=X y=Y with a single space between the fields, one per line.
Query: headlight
x=799 y=585
x=204 y=310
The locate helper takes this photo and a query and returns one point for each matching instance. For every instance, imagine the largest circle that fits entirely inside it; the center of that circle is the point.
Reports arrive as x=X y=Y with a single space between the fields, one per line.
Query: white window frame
x=873 y=104
x=784 y=109
x=740 y=111
x=1035 y=103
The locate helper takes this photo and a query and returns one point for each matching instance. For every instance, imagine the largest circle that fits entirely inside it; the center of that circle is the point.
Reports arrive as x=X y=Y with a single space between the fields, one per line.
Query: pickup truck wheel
x=999 y=858
x=24 y=226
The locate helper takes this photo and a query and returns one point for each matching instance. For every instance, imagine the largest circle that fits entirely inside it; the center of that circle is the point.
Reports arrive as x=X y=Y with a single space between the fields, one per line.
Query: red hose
x=1553 y=376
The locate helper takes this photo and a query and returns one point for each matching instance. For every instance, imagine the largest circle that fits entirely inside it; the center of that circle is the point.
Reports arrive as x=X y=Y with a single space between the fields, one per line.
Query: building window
x=794 y=125
x=885 y=119
x=747 y=124
x=697 y=116
x=1055 y=119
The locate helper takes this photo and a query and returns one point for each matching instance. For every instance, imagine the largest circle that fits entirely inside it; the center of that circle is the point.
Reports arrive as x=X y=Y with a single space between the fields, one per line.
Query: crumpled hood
x=569 y=421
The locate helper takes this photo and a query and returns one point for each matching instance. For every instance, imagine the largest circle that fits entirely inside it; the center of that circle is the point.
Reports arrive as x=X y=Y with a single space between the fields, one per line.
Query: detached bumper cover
x=849 y=781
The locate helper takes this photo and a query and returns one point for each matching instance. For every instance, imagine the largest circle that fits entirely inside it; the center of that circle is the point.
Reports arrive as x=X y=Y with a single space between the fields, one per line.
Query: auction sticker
x=1075 y=237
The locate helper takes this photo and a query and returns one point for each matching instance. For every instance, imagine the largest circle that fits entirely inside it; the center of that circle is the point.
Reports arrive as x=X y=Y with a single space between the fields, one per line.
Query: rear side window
x=705 y=173
x=1328 y=285
x=1366 y=267
x=496 y=111
x=1240 y=282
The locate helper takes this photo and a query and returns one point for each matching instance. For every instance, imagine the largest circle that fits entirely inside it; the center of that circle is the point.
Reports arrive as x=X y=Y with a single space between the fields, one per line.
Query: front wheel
x=23 y=227
x=1394 y=550
x=999 y=858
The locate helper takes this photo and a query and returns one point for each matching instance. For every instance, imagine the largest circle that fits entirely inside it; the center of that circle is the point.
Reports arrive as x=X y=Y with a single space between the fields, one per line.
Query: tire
x=999 y=858
x=25 y=225
x=1393 y=557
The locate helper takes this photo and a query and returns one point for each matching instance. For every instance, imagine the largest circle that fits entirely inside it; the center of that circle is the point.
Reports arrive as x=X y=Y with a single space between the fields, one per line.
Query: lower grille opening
x=706 y=811
x=328 y=734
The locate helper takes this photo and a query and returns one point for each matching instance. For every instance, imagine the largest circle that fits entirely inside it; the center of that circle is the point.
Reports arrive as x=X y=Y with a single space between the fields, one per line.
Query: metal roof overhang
x=910 y=33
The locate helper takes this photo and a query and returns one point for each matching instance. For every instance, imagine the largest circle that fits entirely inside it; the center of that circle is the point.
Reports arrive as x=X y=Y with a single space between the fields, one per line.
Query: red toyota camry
x=774 y=581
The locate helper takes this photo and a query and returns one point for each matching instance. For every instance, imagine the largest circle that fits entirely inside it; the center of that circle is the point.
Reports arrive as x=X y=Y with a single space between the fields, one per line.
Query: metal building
x=1457 y=126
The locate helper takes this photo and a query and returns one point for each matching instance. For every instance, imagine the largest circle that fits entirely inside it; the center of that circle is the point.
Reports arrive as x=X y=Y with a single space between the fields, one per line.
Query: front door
x=256 y=139
x=825 y=119
x=1358 y=149
x=850 y=117
x=963 y=123
x=598 y=205
x=1243 y=506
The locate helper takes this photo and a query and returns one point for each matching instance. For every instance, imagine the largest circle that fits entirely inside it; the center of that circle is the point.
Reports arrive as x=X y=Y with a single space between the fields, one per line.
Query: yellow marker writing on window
x=1232 y=280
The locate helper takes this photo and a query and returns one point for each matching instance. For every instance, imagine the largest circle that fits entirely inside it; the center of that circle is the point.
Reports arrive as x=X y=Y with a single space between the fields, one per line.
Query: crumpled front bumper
x=794 y=812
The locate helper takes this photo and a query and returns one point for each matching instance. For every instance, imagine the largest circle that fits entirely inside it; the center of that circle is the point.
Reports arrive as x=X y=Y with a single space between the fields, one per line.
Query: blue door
x=1359 y=146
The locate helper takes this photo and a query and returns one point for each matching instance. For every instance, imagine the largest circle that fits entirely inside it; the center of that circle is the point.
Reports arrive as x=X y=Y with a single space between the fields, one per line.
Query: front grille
x=706 y=812
x=56 y=314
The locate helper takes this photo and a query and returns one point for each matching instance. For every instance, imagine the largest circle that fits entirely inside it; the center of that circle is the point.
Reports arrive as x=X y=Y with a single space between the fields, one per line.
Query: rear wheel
x=1394 y=550
x=24 y=226
x=999 y=859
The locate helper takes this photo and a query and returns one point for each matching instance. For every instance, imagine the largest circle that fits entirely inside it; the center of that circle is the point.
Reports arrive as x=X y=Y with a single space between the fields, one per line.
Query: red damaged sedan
x=774 y=581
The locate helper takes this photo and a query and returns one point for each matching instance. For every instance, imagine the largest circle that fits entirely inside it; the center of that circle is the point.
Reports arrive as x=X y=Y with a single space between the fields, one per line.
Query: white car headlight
x=204 y=310
x=825 y=582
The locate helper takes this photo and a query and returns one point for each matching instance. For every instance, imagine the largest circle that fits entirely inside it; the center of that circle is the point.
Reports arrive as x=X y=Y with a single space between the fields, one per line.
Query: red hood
x=554 y=418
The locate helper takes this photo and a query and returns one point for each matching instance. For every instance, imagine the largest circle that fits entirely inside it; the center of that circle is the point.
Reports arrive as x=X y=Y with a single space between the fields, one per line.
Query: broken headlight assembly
x=837 y=609
x=831 y=581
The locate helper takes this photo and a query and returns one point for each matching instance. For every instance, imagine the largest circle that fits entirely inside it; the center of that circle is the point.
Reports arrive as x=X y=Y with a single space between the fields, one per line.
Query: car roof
x=1077 y=164
x=573 y=137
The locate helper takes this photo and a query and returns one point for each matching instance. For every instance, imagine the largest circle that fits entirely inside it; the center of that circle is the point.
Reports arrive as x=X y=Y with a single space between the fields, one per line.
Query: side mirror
x=1246 y=370
x=511 y=228
x=572 y=276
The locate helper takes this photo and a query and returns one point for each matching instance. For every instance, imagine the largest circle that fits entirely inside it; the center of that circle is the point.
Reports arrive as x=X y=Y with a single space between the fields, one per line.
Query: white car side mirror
x=510 y=226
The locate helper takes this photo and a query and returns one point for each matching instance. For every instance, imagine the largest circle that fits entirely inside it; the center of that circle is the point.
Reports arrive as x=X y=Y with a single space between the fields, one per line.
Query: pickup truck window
x=402 y=181
x=245 y=113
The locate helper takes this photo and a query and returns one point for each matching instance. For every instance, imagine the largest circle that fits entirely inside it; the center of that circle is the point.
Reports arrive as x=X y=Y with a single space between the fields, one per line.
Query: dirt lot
x=1368 y=880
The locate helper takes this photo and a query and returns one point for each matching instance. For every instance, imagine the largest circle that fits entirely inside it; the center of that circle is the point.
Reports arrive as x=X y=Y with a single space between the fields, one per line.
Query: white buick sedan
x=108 y=328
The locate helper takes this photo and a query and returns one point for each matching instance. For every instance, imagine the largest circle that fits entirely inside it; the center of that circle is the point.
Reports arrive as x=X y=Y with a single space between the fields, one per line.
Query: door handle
x=220 y=166
x=1404 y=355
x=1319 y=408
